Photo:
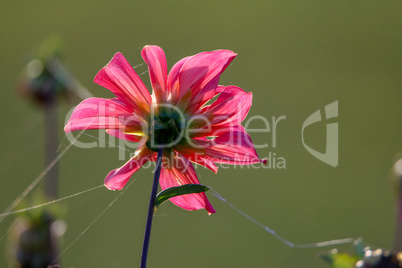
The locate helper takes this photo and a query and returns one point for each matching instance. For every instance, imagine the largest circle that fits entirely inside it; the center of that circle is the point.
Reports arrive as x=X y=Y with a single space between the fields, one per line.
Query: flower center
x=166 y=129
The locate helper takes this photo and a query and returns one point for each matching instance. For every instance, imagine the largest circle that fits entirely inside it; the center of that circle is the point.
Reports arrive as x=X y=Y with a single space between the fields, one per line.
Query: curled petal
x=119 y=77
x=231 y=107
x=223 y=115
x=98 y=113
x=156 y=60
x=198 y=98
x=200 y=75
x=180 y=173
x=118 y=178
x=202 y=68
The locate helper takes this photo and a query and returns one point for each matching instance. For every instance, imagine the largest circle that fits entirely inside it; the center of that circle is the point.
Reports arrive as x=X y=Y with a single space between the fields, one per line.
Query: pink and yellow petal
x=123 y=135
x=98 y=113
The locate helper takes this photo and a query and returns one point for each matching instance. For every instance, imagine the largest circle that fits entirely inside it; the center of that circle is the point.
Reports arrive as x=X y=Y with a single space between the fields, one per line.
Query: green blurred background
x=295 y=56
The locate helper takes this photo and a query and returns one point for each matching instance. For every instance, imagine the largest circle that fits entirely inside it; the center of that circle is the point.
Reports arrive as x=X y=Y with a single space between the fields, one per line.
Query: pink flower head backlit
x=189 y=115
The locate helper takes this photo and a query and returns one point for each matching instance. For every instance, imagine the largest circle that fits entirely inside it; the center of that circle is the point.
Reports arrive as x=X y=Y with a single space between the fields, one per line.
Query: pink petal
x=219 y=89
x=119 y=77
x=199 y=98
x=201 y=73
x=118 y=178
x=182 y=172
x=231 y=107
x=196 y=158
x=203 y=67
x=98 y=113
x=216 y=130
x=121 y=135
x=156 y=60
x=173 y=79
x=234 y=148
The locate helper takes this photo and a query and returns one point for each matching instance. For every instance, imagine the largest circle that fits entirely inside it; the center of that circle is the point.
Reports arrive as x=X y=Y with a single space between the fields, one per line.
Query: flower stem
x=151 y=208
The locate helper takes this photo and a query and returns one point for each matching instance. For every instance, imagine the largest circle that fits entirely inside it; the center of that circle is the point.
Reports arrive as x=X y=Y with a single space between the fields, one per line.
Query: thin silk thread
x=277 y=236
x=50 y=202
x=94 y=221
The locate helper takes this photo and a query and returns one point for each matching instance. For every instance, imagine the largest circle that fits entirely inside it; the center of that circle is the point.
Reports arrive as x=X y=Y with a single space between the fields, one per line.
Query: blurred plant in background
x=367 y=257
x=34 y=235
x=45 y=79
x=33 y=240
x=363 y=257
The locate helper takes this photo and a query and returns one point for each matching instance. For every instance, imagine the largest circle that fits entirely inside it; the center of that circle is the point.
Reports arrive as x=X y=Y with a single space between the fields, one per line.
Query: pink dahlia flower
x=180 y=116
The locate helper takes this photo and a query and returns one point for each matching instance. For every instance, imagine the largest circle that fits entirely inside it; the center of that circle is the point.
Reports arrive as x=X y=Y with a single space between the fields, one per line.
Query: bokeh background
x=295 y=56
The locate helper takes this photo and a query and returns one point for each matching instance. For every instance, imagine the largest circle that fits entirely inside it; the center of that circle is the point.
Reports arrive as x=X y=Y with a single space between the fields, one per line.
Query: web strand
x=94 y=221
x=50 y=202
x=108 y=142
x=11 y=207
x=277 y=236
x=82 y=93
x=27 y=190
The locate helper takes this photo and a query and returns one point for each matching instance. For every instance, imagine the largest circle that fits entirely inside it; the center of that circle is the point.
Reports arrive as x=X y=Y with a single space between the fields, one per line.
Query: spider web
x=10 y=210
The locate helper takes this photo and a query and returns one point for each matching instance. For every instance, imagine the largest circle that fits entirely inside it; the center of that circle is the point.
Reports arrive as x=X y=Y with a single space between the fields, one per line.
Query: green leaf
x=179 y=190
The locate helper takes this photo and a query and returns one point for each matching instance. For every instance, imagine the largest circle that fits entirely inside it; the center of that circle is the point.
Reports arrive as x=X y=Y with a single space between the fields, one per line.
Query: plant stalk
x=151 y=208
x=52 y=142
